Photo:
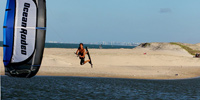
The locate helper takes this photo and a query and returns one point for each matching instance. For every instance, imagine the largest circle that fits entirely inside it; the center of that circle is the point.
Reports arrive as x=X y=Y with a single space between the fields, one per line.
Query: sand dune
x=163 y=48
x=192 y=46
x=161 y=61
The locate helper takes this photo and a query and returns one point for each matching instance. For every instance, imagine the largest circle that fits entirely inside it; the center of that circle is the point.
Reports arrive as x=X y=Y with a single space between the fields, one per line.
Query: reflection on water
x=43 y=87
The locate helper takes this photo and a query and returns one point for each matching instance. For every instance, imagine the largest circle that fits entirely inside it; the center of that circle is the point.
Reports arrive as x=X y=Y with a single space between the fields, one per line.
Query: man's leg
x=86 y=61
x=82 y=62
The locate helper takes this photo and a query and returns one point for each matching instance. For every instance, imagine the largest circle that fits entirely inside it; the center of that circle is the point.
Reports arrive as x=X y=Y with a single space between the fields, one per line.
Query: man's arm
x=77 y=52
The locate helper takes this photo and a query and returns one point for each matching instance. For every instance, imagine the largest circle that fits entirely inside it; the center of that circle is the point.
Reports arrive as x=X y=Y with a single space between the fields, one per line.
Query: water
x=83 y=88
x=69 y=45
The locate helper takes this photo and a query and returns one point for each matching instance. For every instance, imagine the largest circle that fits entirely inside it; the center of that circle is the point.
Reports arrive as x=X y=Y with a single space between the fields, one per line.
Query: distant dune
x=171 y=46
x=193 y=46
x=160 y=46
x=165 y=47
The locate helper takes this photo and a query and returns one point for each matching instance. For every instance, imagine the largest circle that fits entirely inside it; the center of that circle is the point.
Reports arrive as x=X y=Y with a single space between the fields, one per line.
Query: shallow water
x=78 y=88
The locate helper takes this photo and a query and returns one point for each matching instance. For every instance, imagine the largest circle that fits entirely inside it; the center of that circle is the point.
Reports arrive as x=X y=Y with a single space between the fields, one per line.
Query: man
x=81 y=53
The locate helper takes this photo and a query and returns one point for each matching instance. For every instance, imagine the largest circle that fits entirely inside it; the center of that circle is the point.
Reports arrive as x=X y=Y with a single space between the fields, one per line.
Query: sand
x=161 y=61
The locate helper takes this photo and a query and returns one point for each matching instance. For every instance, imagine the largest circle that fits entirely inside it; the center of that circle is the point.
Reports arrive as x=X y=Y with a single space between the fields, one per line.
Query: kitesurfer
x=81 y=53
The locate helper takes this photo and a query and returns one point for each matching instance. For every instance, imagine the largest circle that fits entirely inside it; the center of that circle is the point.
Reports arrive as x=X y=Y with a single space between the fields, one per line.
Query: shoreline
x=198 y=77
x=172 y=62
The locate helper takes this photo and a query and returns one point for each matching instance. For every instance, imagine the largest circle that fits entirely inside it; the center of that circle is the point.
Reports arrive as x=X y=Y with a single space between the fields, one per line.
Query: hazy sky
x=120 y=20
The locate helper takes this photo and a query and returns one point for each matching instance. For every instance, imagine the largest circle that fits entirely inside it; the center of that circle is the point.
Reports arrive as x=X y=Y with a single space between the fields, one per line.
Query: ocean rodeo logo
x=23 y=30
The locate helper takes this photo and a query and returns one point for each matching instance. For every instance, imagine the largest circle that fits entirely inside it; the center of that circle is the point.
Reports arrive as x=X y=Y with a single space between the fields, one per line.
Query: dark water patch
x=66 y=88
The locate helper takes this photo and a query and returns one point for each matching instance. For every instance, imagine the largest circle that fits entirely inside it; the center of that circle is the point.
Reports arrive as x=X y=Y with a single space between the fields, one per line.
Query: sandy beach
x=159 y=61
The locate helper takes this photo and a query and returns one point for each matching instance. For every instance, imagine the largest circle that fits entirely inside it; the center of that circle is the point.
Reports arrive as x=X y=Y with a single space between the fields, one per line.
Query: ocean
x=91 y=88
x=71 y=45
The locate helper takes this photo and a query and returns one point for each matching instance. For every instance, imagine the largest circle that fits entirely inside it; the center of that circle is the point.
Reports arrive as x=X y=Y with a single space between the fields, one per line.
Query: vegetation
x=144 y=45
x=188 y=49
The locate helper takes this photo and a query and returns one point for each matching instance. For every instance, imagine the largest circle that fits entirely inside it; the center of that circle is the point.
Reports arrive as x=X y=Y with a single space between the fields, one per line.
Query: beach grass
x=188 y=49
x=145 y=44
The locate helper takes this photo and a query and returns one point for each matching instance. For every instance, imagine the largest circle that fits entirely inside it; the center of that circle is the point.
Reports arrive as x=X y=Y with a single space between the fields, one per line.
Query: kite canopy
x=24 y=37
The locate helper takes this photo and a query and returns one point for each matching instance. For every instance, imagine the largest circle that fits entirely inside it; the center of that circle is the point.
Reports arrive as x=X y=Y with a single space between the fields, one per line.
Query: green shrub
x=144 y=45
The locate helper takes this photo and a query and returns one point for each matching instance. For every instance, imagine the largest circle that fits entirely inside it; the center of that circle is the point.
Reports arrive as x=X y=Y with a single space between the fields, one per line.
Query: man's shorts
x=82 y=61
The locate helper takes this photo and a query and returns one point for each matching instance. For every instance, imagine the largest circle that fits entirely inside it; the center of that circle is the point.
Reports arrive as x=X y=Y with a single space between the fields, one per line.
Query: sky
x=120 y=20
